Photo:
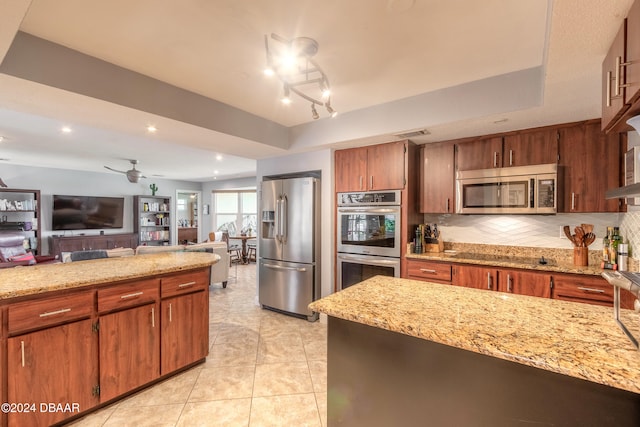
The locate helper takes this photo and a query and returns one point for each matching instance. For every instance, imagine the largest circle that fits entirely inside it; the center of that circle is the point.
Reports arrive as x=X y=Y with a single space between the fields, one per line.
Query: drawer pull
x=170 y=316
x=133 y=295
x=153 y=317
x=185 y=285
x=53 y=313
x=427 y=270
x=599 y=291
x=22 y=351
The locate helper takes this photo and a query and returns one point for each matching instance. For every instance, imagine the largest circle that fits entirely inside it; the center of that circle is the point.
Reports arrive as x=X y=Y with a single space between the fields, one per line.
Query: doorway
x=188 y=226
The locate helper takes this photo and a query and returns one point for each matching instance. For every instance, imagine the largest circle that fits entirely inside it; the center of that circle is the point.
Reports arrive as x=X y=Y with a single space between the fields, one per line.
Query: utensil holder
x=581 y=256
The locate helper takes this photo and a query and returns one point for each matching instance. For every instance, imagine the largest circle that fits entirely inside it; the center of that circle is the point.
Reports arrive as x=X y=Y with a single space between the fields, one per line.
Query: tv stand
x=59 y=244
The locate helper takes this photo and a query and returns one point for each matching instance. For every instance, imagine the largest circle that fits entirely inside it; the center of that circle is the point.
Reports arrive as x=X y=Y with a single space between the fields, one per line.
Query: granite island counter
x=83 y=334
x=432 y=354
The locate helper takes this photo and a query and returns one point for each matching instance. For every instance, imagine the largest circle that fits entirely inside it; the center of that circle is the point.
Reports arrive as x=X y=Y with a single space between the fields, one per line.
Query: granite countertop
x=29 y=280
x=578 y=340
x=504 y=261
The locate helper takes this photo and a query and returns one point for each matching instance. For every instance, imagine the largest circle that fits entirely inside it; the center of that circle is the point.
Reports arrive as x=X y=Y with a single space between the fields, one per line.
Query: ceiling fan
x=133 y=175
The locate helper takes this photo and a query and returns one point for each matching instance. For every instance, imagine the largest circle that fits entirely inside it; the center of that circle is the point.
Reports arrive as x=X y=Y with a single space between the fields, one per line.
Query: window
x=235 y=212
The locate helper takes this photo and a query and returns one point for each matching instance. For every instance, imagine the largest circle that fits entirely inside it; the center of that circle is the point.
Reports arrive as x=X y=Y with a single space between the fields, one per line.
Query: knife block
x=581 y=256
x=433 y=247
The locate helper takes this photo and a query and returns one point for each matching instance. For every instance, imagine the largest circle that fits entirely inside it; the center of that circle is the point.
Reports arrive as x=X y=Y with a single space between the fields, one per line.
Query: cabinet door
x=483 y=153
x=385 y=166
x=632 y=71
x=531 y=148
x=129 y=350
x=57 y=365
x=525 y=283
x=475 y=277
x=351 y=169
x=612 y=105
x=437 y=178
x=589 y=165
x=185 y=330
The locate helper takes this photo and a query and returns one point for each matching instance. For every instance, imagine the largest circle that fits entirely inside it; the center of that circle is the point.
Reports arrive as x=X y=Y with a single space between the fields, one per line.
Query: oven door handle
x=369 y=210
x=383 y=262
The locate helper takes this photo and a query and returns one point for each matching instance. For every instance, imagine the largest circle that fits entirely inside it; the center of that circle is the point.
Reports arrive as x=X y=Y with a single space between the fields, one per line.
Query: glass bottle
x=615 y=240
x=605 y=245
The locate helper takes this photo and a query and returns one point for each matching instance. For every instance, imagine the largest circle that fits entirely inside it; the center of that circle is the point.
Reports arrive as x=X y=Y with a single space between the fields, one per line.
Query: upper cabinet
x=482 y=153
x=589 y=164
x=437 y=178
x=373 y=168
x=621 y=72
x=530 y=147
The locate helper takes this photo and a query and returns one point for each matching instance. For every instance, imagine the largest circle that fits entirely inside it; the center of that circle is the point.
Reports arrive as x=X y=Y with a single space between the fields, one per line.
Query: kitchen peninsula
x=78 y=335
x=434 y=354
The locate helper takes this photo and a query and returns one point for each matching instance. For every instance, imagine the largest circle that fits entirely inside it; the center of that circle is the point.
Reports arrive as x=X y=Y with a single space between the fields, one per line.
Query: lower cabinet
x=185 y=320
x=522 y=282
x=54 y=366
x=592 y=290
x=429 y=271
x=70 y=352
x=475 y=277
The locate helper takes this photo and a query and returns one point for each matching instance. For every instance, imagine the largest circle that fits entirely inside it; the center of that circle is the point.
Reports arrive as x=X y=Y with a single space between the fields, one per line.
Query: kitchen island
x=416 y=353
x=79 y=335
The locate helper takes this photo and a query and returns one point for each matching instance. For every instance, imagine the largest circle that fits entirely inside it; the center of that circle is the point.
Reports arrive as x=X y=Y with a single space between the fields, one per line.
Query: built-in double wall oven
x=368 y=236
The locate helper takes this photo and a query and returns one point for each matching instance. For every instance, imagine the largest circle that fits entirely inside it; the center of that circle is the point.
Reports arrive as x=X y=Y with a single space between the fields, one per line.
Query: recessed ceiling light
x=152 y=129
x=66 y=129
x=218 y=157
x=1 y=138
x=216 y=172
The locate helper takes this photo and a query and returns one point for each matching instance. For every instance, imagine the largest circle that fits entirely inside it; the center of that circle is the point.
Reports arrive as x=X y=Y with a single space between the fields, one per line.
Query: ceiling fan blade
x=115 y=170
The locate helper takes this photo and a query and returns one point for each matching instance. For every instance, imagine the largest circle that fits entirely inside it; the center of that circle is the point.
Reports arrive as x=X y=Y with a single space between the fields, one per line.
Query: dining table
x=245 y=254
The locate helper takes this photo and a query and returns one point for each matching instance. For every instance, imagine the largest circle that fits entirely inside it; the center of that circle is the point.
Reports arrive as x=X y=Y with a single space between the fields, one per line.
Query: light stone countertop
x=495 y=261
x=574 y=339
x=30 y=280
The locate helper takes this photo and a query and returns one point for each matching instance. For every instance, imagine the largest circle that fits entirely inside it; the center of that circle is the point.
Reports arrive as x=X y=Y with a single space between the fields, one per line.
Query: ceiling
x=194 y=70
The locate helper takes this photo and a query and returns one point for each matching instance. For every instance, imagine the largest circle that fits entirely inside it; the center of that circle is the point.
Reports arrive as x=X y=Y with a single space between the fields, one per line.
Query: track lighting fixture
x=291 y=61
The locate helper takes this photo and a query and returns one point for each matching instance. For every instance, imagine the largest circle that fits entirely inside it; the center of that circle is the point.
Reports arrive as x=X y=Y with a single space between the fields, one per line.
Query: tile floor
x=263 y=369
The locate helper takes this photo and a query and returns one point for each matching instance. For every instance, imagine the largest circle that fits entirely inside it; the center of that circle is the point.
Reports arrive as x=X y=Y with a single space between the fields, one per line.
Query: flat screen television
x=87 y=212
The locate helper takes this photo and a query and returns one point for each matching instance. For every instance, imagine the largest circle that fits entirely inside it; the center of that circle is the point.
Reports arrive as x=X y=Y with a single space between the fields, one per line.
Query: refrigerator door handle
x=285 y=218
x=277 y=219
x=279 y=267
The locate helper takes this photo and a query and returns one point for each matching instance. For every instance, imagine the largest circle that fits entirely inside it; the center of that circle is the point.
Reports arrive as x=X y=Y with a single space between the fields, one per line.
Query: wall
x=57 y=181
x=318 y=160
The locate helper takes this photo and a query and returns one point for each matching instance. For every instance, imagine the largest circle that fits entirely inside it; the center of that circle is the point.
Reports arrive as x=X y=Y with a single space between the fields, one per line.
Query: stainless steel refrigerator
x=289 y=245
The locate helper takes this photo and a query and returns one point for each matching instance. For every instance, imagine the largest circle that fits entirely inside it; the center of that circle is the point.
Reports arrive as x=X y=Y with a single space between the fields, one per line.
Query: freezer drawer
x=287 y=286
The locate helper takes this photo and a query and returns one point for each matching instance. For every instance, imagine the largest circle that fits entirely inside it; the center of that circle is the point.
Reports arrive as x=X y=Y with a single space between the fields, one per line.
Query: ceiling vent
x=412 y=133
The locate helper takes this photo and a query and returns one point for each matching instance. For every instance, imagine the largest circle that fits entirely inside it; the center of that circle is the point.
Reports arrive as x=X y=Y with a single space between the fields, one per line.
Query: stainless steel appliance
x=289 y=245
x=368 y=236
x=513 y=190
x=631 y=282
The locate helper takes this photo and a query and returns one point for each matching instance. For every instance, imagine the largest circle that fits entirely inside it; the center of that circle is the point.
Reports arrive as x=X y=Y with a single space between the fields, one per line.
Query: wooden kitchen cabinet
x=587 y=289
x=482 y=153
x=437 y=178
x=185 y=320
x=472 y=276
x=534 y=147
x=129 y=337
x=524 y=282
x=372 y=168
x=621 y=71
x=53 y=365
x=429 y=271
x=589 y=165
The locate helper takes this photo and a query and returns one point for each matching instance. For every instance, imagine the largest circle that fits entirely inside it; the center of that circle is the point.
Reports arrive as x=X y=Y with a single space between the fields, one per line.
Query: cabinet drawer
x=429 y=271
x=592 y=290
x=185 y=282
x=41 y=313
x=128 y=295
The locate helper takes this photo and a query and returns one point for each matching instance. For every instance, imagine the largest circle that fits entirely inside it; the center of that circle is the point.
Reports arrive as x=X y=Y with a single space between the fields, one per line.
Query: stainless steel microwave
x=513 y=190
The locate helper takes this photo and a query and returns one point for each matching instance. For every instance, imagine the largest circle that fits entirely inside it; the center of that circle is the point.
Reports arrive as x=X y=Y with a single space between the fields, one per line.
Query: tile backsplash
x=533 y=230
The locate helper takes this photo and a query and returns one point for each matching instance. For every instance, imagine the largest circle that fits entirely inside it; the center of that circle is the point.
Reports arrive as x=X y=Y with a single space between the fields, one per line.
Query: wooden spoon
x=579 y=239
x=589 y=238
x=588 y=228
x=567 y=232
